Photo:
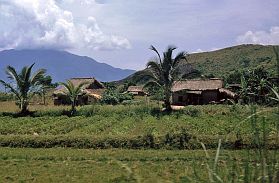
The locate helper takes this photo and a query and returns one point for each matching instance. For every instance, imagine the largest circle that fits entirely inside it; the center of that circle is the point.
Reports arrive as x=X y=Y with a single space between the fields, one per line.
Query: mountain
x=61 y=65
x=221 y=63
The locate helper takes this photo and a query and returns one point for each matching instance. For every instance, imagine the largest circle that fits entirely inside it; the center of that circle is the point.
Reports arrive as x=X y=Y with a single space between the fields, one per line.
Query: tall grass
x=262 y=166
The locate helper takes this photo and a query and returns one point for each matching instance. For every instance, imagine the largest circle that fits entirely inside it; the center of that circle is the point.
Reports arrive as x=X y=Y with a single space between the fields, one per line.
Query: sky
x=120 y=32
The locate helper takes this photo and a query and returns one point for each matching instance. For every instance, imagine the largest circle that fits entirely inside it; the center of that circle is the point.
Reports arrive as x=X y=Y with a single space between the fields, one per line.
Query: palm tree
x=46 y=85
x=25 y=83
x=164 y=71
x=73 y=92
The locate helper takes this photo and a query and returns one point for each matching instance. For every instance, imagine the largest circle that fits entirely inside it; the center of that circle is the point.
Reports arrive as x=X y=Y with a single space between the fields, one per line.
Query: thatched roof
x=135 y=89
x=198 y=85
x=92 y=86
x=228 y=93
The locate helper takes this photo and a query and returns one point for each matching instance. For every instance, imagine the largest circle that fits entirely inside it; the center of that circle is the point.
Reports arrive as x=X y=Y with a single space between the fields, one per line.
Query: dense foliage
x=113 y=97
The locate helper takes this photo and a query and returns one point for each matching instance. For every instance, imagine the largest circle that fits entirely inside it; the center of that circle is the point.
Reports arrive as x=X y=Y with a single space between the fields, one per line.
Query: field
x=137 y=143
x=116 y=165
x=134 y=126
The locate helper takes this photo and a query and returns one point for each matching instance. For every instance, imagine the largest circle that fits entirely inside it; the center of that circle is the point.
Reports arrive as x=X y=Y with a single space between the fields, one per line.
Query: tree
x=73 y=92
x=164 y=71
x=24 y=84
x=255 y=86
x=45 y=81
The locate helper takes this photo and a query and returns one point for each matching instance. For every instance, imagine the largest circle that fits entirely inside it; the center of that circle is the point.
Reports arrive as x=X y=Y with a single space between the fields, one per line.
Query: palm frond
x=79 y=87
x=69 y=87
x=155 y=68
x=22 y=73
x=27 y=73
x=12 y=89
x=180 y=56
x=37 y=76
x=168 y=53
x=151 y=83
x=154 y=49
x=12 y=74
x=275 y=93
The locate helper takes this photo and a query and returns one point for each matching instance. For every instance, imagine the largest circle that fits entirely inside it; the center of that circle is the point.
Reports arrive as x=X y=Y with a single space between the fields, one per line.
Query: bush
x=6 y=96
x=193 y=112
x=112 y=97
x=172 y=140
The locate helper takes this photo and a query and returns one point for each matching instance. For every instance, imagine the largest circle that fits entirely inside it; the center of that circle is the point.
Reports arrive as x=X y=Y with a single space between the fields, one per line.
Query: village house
x=91 y=92
x=200 y=91
x=137 y=90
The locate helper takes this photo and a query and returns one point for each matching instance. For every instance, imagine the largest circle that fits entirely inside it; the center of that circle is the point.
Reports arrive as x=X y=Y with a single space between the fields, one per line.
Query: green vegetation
x=6 y=97
x=136 y=126
x=73 y=92
x=164 y=71
x=135 y=141
x=119 y=165
x=223 y=62
x=26 y=84
x=46 y=85
x=112 y=97
x=256 y=87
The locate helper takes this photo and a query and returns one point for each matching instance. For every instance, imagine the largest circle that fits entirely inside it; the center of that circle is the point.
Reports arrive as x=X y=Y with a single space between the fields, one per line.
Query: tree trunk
x=44 y=97
x=73 y=110
x=23 y=106
x=168 y=99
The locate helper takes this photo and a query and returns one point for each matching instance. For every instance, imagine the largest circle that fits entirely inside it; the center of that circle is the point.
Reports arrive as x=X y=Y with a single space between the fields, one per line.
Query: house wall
x=61 y=100
x=209 y=96
x=179 y=98
x=183 y=98
x=92 y=100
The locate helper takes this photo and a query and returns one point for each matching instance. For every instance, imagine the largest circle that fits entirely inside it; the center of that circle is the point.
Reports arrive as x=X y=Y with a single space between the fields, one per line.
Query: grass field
x=137 y=143
x=126 y=123
x=116 y=165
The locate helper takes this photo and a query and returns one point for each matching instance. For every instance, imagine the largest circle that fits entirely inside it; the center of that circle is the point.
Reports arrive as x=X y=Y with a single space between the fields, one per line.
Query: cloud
x=197 y=51
x=260 y=37
x=28 y=24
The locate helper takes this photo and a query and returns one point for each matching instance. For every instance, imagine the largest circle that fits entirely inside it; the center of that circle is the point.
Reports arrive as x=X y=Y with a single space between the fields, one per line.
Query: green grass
x=87 y=165
x=112 y=125
x=138 y=143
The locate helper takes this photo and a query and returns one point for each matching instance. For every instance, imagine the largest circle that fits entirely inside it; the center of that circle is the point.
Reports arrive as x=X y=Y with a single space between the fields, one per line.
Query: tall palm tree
x=73 y=92
x=24 y=84
x=164 y=71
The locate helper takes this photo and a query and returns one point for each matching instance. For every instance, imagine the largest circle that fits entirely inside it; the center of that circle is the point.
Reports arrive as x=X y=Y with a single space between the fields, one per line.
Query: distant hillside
x=222 y=62
x=61 y=65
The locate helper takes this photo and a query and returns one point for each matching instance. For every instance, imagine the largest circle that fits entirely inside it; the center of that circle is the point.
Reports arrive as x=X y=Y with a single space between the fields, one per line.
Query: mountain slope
x=222 y=62
x=61 y=65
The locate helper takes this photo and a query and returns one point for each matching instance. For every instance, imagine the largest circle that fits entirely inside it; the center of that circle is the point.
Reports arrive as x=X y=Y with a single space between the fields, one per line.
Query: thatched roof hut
x=200 y=91
x=92 y=91
x=137 y=90
x=198 y=85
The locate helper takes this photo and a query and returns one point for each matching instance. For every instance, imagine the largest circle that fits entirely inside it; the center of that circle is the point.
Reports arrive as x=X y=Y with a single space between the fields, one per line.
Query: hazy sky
x=119 y=32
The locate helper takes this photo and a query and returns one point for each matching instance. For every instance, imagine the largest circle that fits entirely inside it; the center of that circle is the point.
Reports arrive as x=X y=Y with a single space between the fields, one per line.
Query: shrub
x=6 y=96
x=193 y=112
x=112 y=97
